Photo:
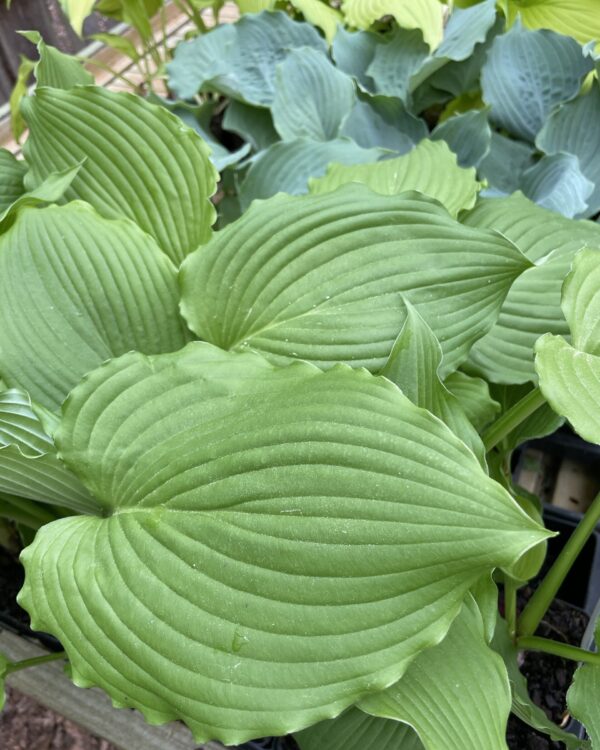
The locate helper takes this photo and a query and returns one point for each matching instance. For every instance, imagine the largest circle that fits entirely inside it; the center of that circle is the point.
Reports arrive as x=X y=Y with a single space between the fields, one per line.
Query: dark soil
x=548 y=677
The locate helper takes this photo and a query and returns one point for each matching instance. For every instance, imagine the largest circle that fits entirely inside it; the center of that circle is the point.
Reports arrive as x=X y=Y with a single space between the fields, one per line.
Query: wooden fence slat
x=91 y=708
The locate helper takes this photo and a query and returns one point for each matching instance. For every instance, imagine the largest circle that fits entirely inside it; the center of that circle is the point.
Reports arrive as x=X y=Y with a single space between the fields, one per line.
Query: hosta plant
x=267 y=466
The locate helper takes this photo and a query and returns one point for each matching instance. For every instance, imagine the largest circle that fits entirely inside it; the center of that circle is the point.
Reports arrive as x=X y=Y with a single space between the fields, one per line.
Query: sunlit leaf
x=426 y=15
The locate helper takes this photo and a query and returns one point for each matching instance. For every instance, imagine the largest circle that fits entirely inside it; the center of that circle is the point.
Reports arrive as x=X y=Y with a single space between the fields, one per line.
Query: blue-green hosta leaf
x=582 y=698
x=29 y=466
x=253 y=124
x=425 y=15
x=396 y=59
x=474 y=397
x=430 y=168
x=321 y=277
x=287 y=167
x=527 y=74
x=413 y=366
x=353 y=52
x=441 y=694
x=570 y=374
x=77 y=289
x=12 y=172
x=51 y=189
x=240 y=59
x=356 y=730
x=522 y=705
x=504 y=165
x=320 y=14
x=468 y=135
x=532 y=306
x=557 y=182
x=55 y=68
x=139 y=161
x=576 y=18
x=568 y=129
x=381 y=121
x=226 y=484
x=312 y=97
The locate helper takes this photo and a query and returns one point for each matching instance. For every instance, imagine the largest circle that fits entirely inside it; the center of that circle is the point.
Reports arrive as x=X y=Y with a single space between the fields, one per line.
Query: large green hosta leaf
x=320 y=278
x=570 y=374
x=312 y=97
x=527 y=74
x=582 y=698
x=426 y=15
x=12 y=173
x=456 y=695
x=275 y=543
x=75 y=290
x=55 y=68
x=356 y=730
x=29 y=466
x=577 y=18
x=430 y=168
x=139 y=161
x=532 y=306
x=567 y=129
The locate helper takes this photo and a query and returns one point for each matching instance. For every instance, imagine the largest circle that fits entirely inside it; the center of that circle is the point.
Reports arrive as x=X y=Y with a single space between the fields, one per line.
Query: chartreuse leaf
x=532 y=306
x=287 y=167
x=527 y=74
x=226 y=484
x=469 y=135
x=474 y=397
x=312 y=97
x=12 y=173
x=576 y=18
x=441 y=697
x=382 y=121
x=356 y=730
x=430 y=168
x=142 y=162
x=413 y=366
x=426 y=15
x=320 y=14
x=29 y=466
x=557 y=182
x=77 y=11
x=567 y=130
x=321 y=277
x=240 y=59
x=75 y=290
x=55 y=68
x=570 y=374
x=582 y=697
x=522 y=705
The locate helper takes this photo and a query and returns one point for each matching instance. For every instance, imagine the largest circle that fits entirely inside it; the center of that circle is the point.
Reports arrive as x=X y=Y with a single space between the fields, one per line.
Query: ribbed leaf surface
x=396 y=59
x=581 y=301
x=442 y=695
x=527 y=74
x=12 y=173
x=468 y=135
x=29 y=467
x=258 y=523
x=430 y=168
x=139 y=161
x=474 y=396
x=356 y=730
x=532 y=306
x=577 y=18
x=75 y=290
x=320 y=278
x=353 y=52
x=55 y=68
x=557 y=182
x=504 y=164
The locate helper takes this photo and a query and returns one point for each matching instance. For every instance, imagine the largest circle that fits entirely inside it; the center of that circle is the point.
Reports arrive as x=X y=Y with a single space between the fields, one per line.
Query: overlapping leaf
x=450 y=677
x=474 y=396
x=504 y=164
x=425 y=15
x=320 y=14
x=468 y=135
x=12 y=173
x=383 y=122
x=226 y=484
x=138 y=161
x=287 y=167
x=321 y=277
x=532 y=306
x=353 y=52
x=582 y=698
x=568 y=129
x=396 y=59
x=576 y=18
x=77 y=289
x=431 y=168
x=557 y=182
x=55 y=68
x=253 y=124
x=527 y=74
